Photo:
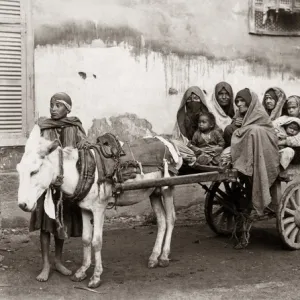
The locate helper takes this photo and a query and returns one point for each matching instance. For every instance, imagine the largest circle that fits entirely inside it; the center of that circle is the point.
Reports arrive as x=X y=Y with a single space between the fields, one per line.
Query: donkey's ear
x=33 y=139
x=53 y=146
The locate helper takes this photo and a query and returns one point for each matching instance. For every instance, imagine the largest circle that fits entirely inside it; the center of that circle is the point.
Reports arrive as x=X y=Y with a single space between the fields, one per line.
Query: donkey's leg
x=87 y=234
x=171 y=217
x=159 y=211
x=99 y=215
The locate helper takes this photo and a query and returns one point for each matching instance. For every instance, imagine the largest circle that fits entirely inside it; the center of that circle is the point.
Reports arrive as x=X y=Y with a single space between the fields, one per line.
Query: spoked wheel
x=222 y=203
x=288 y=217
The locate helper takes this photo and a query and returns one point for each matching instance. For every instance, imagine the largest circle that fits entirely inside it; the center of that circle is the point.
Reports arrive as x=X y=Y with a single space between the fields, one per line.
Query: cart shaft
x=229 y=175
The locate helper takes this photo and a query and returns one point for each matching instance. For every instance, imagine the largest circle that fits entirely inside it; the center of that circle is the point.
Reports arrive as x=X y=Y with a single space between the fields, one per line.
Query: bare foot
x=44 y=275
x=62 y=269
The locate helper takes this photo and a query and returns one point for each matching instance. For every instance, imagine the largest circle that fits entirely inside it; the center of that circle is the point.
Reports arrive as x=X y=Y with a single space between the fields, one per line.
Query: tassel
x=166 y=171
x=141 y=168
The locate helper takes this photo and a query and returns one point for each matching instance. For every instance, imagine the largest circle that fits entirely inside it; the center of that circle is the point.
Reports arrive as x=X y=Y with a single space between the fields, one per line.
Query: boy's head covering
x=63 y=98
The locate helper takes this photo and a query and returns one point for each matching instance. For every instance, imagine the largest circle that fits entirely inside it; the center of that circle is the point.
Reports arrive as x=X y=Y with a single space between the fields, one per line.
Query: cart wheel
x=288 y=217
x=222 y=203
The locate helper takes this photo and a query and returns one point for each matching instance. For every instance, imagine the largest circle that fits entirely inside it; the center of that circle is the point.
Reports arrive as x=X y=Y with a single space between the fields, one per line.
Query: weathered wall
x=133 y=51
x=138 y=49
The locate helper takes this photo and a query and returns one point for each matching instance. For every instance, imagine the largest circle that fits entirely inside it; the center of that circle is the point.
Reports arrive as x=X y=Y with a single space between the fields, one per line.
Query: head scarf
x=256 y=113
x=63 y=98
x=295 y=99
x=292 y=99
x=180 y=127
x=223 y=115
x=229 y=110
x=246 y=95
x=280 y=98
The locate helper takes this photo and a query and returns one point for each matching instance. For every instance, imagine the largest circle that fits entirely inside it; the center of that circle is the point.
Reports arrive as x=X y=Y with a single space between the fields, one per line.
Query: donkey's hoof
x=240 y=246
x=163 y=263
x=152 y=264
x=78 y=277
x=94 y=282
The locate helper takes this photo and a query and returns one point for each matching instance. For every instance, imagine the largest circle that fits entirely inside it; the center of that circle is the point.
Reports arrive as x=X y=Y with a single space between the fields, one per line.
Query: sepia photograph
x=149 y=149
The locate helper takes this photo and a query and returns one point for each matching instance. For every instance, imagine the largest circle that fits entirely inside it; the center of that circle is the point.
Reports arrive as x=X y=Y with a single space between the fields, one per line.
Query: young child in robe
x=207 y=142
x=291 y=129
x=70 y=133
x=287 y=130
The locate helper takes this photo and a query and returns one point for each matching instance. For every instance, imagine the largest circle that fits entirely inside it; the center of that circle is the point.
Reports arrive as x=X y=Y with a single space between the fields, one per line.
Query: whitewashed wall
x=139 y=84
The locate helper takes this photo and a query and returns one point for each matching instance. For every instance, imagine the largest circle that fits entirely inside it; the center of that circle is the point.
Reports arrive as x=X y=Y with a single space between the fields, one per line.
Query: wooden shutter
x=15 y=70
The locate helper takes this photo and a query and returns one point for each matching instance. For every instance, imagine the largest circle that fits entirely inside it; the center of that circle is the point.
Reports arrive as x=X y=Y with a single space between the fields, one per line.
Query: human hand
x=83 y=144
x=281 y=135
x=198 y=152
x=208 y=150
x=238 y=122
x=282 y=142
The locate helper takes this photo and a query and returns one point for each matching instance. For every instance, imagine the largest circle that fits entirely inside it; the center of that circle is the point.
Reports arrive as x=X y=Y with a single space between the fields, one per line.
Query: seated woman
x=254 y=148
x=274 y=102
x=207 y=142
x=221 y=104
x=193 y=103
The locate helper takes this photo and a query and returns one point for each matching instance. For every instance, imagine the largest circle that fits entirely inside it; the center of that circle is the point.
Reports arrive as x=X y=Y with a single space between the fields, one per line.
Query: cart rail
x=227 y=175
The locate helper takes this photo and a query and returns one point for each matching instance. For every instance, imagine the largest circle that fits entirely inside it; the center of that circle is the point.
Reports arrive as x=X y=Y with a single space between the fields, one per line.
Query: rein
x=56 y=186
x=60 y=177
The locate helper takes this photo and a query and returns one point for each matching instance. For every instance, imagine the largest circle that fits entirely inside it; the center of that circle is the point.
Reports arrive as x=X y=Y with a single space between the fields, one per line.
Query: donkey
x=39 y=168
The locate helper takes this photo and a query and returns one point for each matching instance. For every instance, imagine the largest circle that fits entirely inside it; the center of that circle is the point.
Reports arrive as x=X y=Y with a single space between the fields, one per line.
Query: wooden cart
x=228 y=191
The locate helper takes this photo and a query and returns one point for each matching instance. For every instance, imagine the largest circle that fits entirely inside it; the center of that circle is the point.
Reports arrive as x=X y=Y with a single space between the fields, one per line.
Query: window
x=16 y=72
x=274 y=17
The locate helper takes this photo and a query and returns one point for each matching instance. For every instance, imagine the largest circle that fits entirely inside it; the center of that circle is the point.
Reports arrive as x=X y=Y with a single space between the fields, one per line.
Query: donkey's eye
x=33 y=173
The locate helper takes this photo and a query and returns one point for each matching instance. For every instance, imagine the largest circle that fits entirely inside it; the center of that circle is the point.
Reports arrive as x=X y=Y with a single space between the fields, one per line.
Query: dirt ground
x=202 y=266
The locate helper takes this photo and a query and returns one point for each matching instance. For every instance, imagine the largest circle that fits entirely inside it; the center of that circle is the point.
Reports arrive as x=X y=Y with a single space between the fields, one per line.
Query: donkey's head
x=36 y=171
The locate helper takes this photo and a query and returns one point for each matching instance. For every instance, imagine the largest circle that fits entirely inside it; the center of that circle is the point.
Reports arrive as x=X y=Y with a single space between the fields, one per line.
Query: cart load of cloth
x=141 y=156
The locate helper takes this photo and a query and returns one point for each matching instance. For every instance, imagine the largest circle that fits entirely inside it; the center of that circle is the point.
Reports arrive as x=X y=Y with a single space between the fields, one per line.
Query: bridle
x=60 y=177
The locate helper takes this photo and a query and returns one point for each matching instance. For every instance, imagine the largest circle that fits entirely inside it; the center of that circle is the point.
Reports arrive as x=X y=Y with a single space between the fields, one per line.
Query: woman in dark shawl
x=254 y=148
x=221 y=104
x=69 y=132
x=274 y=102
x=192 y=104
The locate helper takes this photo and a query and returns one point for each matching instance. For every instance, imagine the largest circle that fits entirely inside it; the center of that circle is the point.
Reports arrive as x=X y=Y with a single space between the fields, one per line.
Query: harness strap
x=60 y=177
x=55 y=187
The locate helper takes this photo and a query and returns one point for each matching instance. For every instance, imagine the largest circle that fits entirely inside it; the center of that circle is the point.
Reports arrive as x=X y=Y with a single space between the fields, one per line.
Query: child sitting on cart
x=207 y=142
x=287 y=129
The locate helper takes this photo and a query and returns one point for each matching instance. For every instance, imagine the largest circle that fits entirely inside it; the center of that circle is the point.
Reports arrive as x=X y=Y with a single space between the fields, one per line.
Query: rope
x=131 y=151
x=138 y=162
x=55 y=187
x=59 y=217
x=60 y=178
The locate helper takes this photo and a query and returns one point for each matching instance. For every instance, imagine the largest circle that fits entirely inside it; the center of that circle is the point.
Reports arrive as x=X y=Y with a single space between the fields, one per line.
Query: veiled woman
x=192 y=104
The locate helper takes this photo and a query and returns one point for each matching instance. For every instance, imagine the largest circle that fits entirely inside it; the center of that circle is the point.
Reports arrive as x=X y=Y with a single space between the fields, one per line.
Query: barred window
x=16 y=72
x=274 y=17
